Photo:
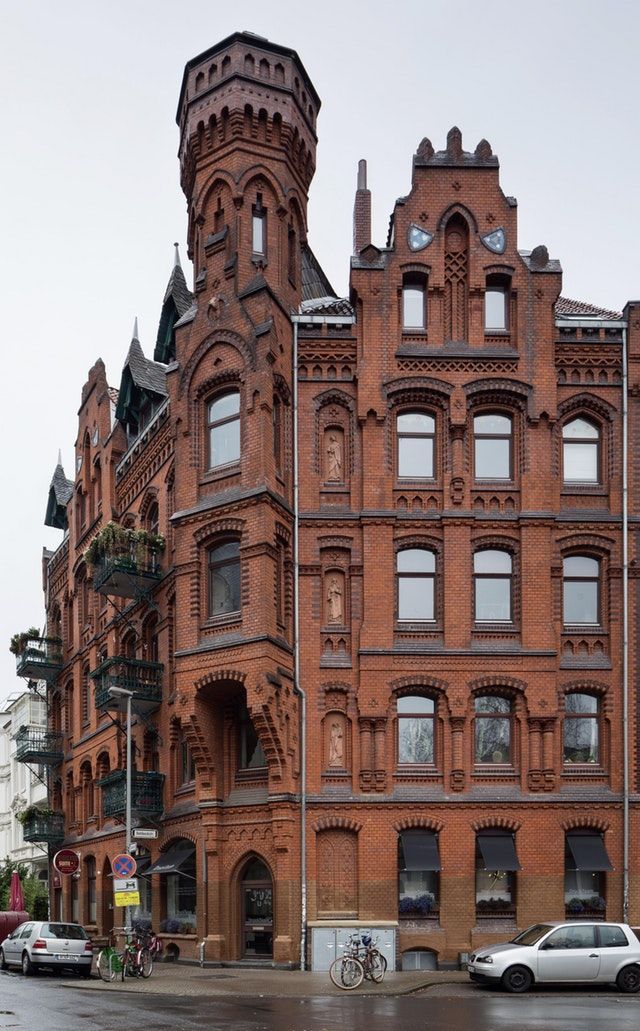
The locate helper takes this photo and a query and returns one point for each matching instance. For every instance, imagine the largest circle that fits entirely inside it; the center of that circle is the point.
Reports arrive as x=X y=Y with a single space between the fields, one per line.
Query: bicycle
x=149 y=940
x=134 y=960
x=361 y=959
x=109 y=963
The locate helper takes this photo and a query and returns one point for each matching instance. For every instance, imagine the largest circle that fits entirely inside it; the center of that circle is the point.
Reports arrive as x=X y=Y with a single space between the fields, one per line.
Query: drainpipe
x=626 y=778
x=304 y=320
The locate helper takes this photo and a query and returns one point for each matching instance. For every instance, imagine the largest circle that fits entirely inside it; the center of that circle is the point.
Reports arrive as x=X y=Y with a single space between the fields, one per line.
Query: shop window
x=581 y=591
x=416 y=730
x=581 y=729
x=418 y=875
x=585 y=866
x=496 y=867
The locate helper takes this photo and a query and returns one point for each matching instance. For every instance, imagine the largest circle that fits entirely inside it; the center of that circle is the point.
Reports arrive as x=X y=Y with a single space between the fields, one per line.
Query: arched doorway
x=256 y=906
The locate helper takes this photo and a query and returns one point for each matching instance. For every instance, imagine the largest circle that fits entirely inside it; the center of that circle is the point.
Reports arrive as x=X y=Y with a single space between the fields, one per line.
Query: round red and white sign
x=66 y=861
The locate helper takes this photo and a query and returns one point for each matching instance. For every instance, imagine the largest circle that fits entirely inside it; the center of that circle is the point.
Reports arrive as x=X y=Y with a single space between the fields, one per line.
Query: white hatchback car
x=44 y=943
x=576 y=952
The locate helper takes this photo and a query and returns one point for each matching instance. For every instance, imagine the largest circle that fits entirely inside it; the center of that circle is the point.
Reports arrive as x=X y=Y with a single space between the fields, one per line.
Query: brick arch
x=403 y=684
x=587 y=823
x=150 y=495
x=220 y=181
x=342 y=400
x=498 y=391
x=220 y=526
x=418 y=823
x=589 y=541
x=330 y=823
x=282 y=388
x=593 y=687
x=228 y=377
x=264 y=180
x=407 y=389
x=587 y=403
x=232 y=676
x=457 y=209
x=507 y=540
x=245 y=349
x=410 y=539
x=495 y=681
x=496 y=822
x=174 y=837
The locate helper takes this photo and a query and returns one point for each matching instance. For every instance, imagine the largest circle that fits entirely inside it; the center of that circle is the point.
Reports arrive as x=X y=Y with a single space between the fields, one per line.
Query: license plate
x=65 y=956
x=471 y=968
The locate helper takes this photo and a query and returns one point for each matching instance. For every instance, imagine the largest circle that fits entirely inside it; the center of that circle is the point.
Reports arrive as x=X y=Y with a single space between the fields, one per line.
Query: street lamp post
x=122 y=692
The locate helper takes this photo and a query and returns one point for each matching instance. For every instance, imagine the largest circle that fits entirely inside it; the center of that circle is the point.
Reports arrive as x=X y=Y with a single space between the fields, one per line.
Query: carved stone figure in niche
x=336 y=744
x=335 y=612
x=334 y=456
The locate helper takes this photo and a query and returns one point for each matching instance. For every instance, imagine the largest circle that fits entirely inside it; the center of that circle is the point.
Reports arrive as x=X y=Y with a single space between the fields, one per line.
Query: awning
x=420 y=850
x=498 y=852
x=142 y=865
x=171 y=861
x=589 y=852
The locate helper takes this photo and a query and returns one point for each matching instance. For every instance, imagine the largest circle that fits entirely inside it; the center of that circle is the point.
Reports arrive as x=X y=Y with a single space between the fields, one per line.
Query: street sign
x=144 y=833
x=124 y=865
x=126 y=891
x=66 y=861
x=125 y=884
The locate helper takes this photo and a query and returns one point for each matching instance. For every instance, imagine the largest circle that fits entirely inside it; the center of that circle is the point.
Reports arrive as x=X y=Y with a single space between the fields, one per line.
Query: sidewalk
x=175 y=979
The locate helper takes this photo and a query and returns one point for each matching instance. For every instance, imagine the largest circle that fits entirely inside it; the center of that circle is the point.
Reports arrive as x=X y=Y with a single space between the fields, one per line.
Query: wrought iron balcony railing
x=143 y=679
x=43 y=826
x=146 y=793
x=37 y=745
x=40 y=659
x=127 y=574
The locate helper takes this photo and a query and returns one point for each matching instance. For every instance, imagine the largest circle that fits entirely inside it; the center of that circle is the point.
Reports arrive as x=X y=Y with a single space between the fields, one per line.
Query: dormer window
x=259 y=227
x=414 y=301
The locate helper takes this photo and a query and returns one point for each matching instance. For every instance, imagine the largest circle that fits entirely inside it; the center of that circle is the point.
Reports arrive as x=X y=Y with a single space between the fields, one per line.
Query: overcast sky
x=91 y=202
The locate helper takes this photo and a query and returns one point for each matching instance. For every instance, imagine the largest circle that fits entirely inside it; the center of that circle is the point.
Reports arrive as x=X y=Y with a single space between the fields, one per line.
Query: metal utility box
x=327 y=943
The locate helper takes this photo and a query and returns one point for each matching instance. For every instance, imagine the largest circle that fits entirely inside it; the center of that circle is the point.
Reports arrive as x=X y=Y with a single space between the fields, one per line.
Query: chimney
x=362 y=211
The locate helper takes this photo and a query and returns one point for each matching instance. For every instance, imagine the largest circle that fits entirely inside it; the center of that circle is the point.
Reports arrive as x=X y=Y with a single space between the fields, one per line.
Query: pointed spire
x=135 y=330
x=176 y=257
x=60 y=456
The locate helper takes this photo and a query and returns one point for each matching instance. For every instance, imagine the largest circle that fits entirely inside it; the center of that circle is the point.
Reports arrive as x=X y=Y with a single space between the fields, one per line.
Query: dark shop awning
x=589 y=852
x=420 y=850
x=498 y=852
x=171 y=861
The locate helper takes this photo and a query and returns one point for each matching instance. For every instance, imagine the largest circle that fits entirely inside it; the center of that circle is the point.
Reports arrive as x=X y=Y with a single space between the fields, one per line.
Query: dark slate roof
x=188 y=316
x=566 y=307
x=551 y=265
x=113 y=395
x=60 y=494
x=146 y=374
x=327 y=306
x=177 y=300
x=314 y=282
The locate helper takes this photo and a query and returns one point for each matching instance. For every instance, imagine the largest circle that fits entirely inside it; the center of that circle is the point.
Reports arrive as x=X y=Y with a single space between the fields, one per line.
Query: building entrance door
x=257 y=911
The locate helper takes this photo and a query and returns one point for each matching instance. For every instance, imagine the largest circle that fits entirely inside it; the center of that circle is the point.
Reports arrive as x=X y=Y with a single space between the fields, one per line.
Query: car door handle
x=594 y=955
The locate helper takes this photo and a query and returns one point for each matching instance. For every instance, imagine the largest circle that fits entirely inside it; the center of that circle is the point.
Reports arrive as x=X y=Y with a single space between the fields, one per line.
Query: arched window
x=150 y=638
x=224 y=578
x=492 y=435
x=418 y=874
x=259 y=228
x=492 y=736
x=416 y=730
x=492 y=575
x=581 y=729
x=153 y=518
x=580 y=452
x=496 y=867
x=581 y=591
x=585 y=865
x=84 y=697
x=129 y=645
x=416 y=445
x=416 y=573
x=223 y=429
x=414 y=301
x=496 y=303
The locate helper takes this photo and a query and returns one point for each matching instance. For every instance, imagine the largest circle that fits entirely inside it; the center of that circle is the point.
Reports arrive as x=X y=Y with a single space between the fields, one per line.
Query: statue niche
x=334 y=598
x=335 y=741
x=333 y=455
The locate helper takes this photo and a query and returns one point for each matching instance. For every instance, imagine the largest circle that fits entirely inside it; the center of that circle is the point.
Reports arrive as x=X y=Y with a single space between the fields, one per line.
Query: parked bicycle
x=134 y=960
x=360 y=959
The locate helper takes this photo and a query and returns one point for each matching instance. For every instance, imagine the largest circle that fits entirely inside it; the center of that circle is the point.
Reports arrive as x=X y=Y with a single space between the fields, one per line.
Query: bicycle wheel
x=145 y=962
x=106 y=967
x=346 y=972
x=377 y=965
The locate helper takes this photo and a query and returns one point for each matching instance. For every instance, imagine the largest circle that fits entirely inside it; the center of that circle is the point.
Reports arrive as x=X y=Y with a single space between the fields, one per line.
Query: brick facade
x=432 y=573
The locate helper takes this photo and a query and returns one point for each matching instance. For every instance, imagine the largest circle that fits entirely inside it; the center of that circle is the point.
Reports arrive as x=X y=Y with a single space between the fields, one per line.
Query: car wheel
x=27 y=966
x=628 y=980
x=517 y=979
x=3 y=963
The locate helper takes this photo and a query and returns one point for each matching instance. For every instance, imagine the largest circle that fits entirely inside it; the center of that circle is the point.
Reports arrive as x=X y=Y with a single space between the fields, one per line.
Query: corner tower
x=247 y=115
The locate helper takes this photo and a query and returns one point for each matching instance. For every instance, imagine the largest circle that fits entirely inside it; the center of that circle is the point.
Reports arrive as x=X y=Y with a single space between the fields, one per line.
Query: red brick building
x=409 y=557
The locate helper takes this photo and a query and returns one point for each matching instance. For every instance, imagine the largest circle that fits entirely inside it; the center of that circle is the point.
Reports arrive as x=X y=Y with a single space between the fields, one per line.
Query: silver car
x=577 y=952
x=44 y=943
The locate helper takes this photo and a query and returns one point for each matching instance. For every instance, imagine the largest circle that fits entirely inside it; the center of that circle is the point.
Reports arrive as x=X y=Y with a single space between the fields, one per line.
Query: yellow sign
x=126 y=898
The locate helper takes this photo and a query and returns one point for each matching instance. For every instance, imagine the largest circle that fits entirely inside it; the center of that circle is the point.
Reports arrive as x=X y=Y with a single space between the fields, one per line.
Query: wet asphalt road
x=56 y=1004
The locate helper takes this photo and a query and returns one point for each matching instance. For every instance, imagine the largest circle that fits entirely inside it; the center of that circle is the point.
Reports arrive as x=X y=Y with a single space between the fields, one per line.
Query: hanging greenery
x=115 y=540
x=32 y=811
x=19 y=641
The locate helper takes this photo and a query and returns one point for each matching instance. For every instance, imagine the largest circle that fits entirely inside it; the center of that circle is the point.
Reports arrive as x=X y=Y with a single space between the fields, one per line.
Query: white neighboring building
x=20 y=785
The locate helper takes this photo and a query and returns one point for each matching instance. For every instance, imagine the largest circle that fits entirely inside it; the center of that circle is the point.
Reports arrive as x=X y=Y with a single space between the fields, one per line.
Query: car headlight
x=484 y=959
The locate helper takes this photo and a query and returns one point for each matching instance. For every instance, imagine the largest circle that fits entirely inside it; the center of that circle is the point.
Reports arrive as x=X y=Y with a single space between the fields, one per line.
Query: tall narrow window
x=91 y=890
x=292 y=255
x=585 y=865
x=224 y=579
x=581 y=591
x=580 y=452
x=224 y=429
x=252 y=756
x=416 y=439
x=581 y=730
x=259 y=227
x=187 y=764
x=416 y=730
x=492 y=730
x=418 y=874
x=492 y=571
x=416 y=569
x=492 y=447
x=84 y=697
x=414 y=301
x=496 y=304
x=277 y=432
x=496 y=866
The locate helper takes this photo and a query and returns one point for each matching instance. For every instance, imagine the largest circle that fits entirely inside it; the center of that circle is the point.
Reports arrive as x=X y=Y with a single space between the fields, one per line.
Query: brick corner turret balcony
x=146 y=793
x=37 y=745
x=142 y=678
x=40 y=658
x=44 y=826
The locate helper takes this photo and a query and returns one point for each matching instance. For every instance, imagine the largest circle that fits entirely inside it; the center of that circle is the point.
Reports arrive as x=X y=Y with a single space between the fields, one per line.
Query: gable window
x=492 y=574
x=496 y=304
x=224 y=578
x=414 y=301
x=492 y=434
x=416 y=570
x=223 y=427
x=492 y=730
x=580 y=452
x=416 y=438
x=416 y=730
x=581 y=591
x=259 y=227
x=581 y=729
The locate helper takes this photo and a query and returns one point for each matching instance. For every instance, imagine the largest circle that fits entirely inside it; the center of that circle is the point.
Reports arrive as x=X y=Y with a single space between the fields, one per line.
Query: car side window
x=578 y=936
x=612 y=937
x=26 y=931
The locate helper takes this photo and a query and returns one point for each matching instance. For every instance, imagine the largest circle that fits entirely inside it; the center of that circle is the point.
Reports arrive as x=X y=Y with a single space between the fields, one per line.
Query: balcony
x=40 y=658
x=143 y=679
x=37 y=745
x=44 y=826
x=146 y=793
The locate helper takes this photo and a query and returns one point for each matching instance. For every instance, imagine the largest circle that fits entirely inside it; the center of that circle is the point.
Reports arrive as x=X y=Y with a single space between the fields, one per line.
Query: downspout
x=625 y=629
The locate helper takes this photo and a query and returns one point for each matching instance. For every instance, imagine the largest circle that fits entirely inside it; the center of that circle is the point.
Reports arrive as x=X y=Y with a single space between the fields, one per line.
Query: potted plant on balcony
x=20 y=641
x=129 y=546
x=32 y=812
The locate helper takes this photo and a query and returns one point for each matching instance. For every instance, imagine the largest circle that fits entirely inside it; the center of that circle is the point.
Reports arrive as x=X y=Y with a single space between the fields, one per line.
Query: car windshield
x=63 y=931
x=531 y=935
